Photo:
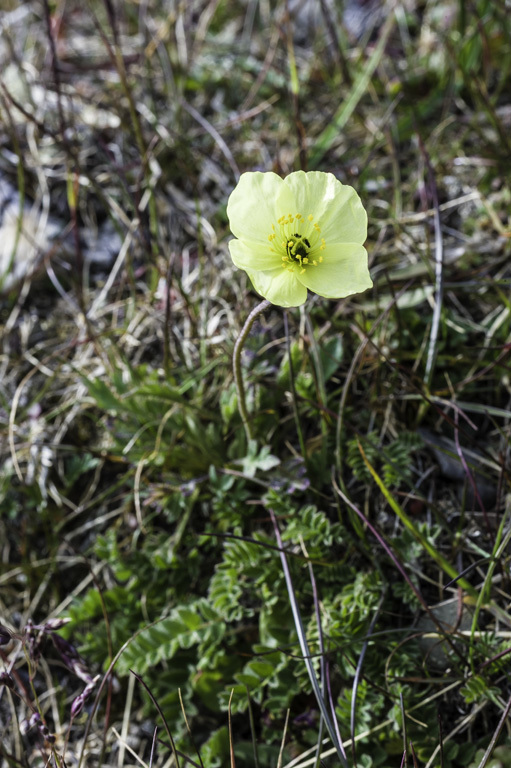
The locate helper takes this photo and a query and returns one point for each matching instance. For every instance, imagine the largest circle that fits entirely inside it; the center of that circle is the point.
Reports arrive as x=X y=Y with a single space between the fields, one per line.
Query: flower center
x=298 y=242
x=297 y=247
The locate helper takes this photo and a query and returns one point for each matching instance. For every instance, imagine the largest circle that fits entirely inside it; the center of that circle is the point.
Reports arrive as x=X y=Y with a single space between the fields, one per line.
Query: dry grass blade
x=439 y=269
x=284 y=732
x=231 y=737
x=498 y=730
x=302 y=639
x=132 y=503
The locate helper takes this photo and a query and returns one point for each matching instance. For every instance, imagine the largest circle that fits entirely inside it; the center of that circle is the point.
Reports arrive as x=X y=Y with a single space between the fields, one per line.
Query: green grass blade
x=345 y=111
x=428 y=547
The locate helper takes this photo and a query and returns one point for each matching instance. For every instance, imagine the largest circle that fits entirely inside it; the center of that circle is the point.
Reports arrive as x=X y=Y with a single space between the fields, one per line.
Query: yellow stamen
x=300 y=242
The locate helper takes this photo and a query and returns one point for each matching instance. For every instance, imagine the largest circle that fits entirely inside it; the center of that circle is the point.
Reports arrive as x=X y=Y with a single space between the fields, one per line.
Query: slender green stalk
x=236 y=365
x=483 y=598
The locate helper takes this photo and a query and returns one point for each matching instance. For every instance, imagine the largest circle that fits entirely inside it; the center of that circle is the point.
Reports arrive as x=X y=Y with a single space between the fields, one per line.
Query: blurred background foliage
x=130 y=500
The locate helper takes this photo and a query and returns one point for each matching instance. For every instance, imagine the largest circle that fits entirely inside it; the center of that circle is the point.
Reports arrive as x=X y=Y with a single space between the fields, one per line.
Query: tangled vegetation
x=336 y=588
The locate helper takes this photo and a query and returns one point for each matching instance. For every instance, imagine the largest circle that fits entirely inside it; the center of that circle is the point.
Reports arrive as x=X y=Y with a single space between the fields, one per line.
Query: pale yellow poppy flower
x=305 y=231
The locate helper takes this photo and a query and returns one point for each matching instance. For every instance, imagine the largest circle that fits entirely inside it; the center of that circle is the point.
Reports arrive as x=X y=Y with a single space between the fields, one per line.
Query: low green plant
x=248 y=584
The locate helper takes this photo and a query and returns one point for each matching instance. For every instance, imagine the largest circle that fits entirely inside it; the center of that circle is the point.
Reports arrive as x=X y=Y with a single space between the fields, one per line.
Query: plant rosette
x=305 y=231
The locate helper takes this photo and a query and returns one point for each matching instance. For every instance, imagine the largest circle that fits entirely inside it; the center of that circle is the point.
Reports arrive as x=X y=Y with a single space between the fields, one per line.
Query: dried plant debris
x=148 y=613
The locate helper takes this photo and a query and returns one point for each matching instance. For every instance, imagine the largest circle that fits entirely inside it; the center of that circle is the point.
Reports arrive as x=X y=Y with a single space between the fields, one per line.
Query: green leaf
x=104 y=397
x=331 y=355
x=255 y=461
x=184 y=628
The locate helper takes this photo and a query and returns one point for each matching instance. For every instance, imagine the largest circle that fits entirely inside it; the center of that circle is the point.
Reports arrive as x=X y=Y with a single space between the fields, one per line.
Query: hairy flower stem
x=236 y=365
x=294 y=398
